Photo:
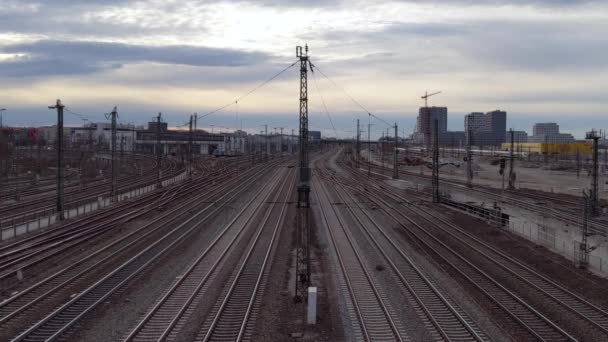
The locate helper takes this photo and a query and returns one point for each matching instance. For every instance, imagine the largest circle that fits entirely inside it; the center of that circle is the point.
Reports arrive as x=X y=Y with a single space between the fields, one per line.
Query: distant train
x=489 y=153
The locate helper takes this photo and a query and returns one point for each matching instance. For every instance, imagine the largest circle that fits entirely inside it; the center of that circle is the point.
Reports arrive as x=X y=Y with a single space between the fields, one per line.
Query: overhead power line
x=348 y=95
x=78 y=115
x=314 y=78
x=236 y=101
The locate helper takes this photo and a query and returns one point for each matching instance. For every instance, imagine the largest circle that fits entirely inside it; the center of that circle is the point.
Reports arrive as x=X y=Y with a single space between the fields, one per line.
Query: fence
x=545 y=235
x=44 y=218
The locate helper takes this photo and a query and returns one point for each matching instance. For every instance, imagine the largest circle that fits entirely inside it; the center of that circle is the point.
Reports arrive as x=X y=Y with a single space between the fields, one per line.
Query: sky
x=540 y=60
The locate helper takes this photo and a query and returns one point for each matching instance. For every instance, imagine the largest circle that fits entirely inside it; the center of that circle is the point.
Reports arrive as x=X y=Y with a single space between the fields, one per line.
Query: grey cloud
x=50 y=57
x=537 y=3
x=496 y=44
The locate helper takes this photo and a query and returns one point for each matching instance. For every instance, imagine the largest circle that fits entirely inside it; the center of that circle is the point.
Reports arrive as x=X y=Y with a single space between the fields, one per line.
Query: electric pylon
x=303 y=229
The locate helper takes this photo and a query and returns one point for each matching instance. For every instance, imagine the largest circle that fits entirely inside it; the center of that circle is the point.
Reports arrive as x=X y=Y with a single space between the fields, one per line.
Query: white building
x=549 y=133
x=99 y=134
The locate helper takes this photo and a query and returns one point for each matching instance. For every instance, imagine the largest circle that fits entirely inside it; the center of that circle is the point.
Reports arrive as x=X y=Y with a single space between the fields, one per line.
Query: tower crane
x=426 y=96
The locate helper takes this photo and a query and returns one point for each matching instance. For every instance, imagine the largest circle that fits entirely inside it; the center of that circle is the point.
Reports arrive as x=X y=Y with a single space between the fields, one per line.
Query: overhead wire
x=350 y=97
x=78 y=115
x=236 y=101
x=314 y=78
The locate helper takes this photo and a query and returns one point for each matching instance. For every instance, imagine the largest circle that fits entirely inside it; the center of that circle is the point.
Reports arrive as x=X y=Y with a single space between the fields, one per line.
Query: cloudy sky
x=540 y=60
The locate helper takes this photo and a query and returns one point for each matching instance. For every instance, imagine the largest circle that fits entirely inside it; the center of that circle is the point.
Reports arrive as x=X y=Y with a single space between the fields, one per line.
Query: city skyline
x=181 y=57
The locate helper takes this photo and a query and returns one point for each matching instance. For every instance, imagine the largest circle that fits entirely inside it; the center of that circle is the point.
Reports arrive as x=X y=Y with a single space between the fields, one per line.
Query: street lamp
x=1 y=110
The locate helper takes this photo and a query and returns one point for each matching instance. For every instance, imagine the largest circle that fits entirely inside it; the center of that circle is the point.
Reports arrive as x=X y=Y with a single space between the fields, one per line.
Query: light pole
x=1 y=110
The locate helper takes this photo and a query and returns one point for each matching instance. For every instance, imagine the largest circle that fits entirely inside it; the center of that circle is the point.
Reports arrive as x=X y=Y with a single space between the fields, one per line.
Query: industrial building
x=100 y=134
x=175 y=142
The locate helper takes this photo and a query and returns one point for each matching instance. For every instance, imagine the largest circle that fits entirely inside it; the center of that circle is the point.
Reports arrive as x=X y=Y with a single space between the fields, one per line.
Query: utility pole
x=280 y=139
x=578 y=163
x=267 y=143
x=303 y=229
x=594 y=200
x=382 y=149
x=469 y=160
x=190 y=147
x=511 y=162
x=435 y=179
x=291 y=143
x=396 y=157
x=158 y=152
x=59 y=208
x=584 y=247
x=113 y=189
x=358 y=146
x=369 y=146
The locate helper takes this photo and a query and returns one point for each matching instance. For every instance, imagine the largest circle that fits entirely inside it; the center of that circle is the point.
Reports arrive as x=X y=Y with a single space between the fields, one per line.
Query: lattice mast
x=303 y=228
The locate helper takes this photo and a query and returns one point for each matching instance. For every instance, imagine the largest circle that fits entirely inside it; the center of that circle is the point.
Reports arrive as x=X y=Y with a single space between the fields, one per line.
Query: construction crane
x=426 y=96
x=427 y=124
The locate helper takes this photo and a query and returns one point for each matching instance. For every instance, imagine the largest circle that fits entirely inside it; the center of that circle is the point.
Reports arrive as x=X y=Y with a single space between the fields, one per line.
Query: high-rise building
x=545 y=128
x=426 y=122
x=486 y=129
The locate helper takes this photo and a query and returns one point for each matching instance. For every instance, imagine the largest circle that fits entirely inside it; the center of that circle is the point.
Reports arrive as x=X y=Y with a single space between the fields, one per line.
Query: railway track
x=25 y=210
x=230 y=321
x=432 y=229
x=571 y=215
x=369 y=312
x=155 y=243
x=27 y=252
x=23 y=253
x=447 y=321
x=173 y=308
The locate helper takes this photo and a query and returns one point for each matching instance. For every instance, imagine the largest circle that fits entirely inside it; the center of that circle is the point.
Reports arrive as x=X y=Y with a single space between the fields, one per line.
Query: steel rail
x=587 y=311
x=63 y=317
x=57 y=281
x=230 y=320
x=435 y=305
x=515 y=307
x=372 y=333
x=172 y=305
